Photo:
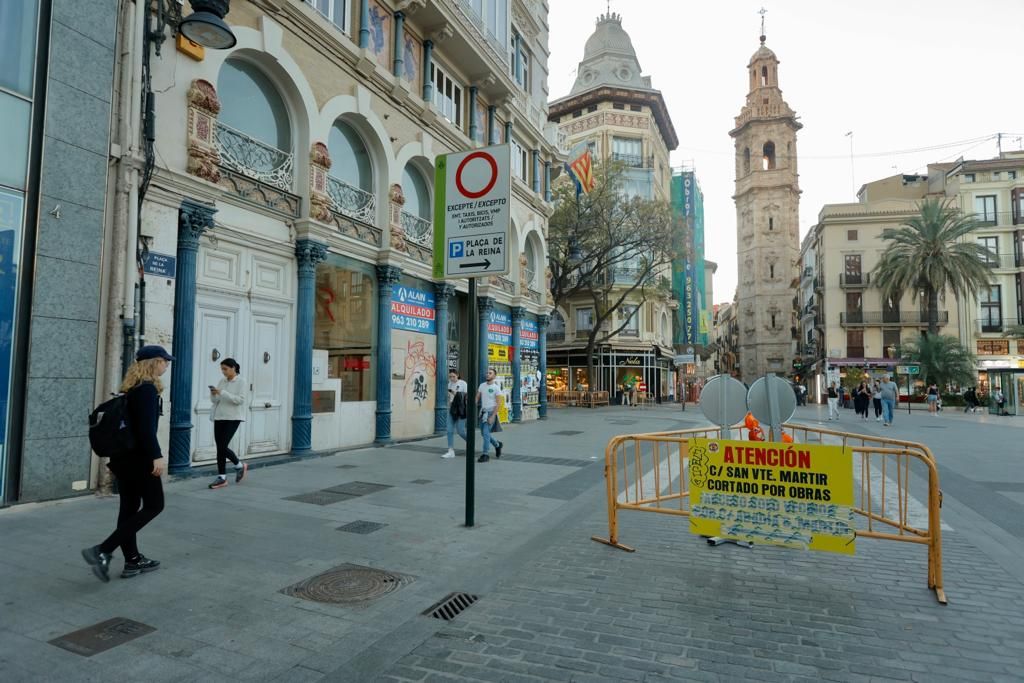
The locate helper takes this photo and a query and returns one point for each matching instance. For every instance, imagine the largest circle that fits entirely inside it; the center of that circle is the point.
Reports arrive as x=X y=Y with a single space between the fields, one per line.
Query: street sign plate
x=472 y=198
x=684 y=359
x=908 y=369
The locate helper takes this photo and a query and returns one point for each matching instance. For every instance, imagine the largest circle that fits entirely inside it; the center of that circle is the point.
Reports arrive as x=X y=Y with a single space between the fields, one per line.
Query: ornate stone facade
x=319 y=200
x=203 y=107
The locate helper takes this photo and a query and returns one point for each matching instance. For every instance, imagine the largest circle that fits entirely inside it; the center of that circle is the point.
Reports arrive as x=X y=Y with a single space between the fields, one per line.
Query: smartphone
x=211 y=387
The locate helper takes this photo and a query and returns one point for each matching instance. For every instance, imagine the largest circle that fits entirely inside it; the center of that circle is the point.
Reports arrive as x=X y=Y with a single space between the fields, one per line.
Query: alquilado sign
x=790 y=495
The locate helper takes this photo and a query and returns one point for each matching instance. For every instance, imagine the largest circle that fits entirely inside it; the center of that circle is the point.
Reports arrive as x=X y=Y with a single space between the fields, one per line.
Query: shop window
x=345 y=325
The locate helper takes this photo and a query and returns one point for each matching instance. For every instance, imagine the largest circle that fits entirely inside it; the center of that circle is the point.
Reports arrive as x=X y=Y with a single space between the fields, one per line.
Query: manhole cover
x=566 y=432
x=421 y=481
x=451 y=606
x=102 y=636
x=347 y=467
x=348 y=584
x=361 y=526
x=357 y=488
x=320 y=497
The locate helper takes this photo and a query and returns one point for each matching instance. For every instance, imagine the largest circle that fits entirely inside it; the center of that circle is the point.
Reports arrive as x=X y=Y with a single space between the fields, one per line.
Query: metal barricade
x=648 y=473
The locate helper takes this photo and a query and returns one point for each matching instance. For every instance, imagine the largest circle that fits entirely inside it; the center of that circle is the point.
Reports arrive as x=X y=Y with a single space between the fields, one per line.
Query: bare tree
x=608 y=248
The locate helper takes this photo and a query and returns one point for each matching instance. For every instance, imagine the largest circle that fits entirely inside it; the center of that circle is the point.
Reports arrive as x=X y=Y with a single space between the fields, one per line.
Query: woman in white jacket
x=229 y=406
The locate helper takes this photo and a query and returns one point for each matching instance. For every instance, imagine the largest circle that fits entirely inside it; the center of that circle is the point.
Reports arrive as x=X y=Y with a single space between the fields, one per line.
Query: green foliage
x=932 y=252
x=854 y=376
x=943 y=360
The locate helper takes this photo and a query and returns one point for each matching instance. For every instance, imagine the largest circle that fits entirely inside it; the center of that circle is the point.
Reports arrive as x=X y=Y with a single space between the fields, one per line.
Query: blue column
x=517 y=43
x=547 y=181
x=387 y=276
x=486 y=305
x=508 y=132
x=474 y=125
x=364 y=23
x=428 y=59
x=193 y=220
x=536 y=171
x=492 y=125
x=518 y=313
x=542 y=330
x=399 y=60
x=307 y=254
x=442 y=292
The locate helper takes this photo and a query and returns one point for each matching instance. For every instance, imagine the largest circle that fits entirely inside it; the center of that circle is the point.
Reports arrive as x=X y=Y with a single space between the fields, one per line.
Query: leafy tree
x=943 y=359
x=608 y=249
x=931 y=252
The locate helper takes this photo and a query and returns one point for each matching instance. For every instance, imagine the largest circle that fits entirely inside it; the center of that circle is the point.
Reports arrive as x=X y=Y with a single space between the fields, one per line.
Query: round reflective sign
x=723 y=400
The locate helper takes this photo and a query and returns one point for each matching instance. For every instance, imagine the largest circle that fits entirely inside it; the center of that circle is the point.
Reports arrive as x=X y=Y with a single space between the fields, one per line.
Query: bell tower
x=767 y=221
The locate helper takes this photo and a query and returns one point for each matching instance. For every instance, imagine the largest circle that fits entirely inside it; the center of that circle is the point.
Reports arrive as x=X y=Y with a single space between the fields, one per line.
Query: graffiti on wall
x=420 y=371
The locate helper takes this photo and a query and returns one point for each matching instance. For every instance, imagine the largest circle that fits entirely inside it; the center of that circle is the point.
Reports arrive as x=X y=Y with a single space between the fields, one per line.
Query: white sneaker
x=449 y=454
x=878 y=419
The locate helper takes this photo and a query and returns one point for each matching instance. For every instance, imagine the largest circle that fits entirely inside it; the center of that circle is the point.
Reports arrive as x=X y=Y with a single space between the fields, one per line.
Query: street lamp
x=206 y=25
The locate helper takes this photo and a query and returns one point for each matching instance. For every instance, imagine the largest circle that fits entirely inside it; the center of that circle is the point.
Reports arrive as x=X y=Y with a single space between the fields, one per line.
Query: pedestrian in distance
x=862 y=399
x=802 y=395
x=138 y=472
x=487 y=403
x=889 y=393
x=933 y=398
x=1000 y=400
x=458 y=410
x=971 y=400
x=227 y=414
x=876 y=400
x=833 y=402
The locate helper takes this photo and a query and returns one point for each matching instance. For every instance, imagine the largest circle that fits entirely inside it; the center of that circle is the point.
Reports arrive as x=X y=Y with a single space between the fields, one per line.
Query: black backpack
x=109 y=432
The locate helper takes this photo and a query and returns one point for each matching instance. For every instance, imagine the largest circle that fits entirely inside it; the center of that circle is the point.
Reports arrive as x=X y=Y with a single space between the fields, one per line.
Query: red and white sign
x=472 y=195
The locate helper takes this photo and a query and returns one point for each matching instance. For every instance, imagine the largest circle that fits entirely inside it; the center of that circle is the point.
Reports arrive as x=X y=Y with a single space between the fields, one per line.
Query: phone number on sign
x=410 y=323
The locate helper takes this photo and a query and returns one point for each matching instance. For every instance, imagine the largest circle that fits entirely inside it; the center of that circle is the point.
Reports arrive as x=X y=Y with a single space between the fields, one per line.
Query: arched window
x=556 y=328
x=534 y=257
x=416 y=214
x=764 y=76
x=350 y=178
x=746 y=160
x=768 y=159
x=253 y=132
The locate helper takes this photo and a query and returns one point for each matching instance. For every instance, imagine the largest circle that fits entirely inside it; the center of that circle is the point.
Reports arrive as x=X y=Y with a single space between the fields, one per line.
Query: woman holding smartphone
x=229 y=406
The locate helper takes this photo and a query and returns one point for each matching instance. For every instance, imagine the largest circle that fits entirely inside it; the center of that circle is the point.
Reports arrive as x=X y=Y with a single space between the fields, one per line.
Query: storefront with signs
x=614 y=370
x=499 y=356
x=413 y=358
x=529 y=372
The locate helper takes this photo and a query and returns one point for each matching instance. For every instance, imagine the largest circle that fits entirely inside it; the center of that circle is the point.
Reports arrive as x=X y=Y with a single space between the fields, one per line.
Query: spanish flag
x=581 y=170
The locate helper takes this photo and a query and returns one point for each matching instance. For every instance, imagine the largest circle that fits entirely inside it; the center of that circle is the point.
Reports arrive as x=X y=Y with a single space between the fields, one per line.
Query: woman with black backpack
x=138 y=471
x=458 y=410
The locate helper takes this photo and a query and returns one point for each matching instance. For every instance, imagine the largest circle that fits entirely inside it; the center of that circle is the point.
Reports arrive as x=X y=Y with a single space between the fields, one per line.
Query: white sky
x=901 y=74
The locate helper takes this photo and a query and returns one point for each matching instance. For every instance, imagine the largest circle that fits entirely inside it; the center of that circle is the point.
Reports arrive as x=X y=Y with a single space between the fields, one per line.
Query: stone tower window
x=771 y=224
x=773 y=321
x=746 y=160
x=764 y=82
x=771 y=274
x=768 y=158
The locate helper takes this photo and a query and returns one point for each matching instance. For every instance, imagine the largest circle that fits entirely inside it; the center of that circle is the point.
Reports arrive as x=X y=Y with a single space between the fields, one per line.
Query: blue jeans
x=887 y=409
x=453 y=427
x=485 y=429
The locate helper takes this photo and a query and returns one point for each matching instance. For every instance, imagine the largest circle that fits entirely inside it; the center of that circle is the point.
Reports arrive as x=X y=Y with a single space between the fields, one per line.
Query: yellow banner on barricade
x=785 y=494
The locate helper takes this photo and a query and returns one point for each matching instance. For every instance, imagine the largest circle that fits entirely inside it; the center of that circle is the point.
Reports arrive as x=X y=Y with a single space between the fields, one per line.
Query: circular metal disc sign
x=723 y=400
x=782 y=395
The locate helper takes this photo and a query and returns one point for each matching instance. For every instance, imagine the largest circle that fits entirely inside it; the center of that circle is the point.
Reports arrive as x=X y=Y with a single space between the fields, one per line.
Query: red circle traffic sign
x=490 y=184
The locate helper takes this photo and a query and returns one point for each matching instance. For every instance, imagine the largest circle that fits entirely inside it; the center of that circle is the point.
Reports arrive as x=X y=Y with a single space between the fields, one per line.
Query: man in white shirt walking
x=487 y=398
x=458 y=395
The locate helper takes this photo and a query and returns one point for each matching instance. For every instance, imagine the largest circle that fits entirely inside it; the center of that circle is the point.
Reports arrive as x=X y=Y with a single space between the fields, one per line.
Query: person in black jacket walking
x=138 y=474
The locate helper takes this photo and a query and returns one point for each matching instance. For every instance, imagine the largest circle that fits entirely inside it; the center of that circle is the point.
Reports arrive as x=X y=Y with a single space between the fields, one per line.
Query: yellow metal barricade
x=648 y=473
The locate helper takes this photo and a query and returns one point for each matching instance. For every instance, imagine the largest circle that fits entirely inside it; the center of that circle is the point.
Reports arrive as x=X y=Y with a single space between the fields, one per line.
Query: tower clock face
x=587 y=76
x=623 y=73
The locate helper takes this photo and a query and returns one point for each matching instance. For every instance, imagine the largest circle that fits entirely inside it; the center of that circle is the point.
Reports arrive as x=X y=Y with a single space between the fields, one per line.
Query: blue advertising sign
x=529 y=335
x=161 y=265
x=413 y=310
x=499 y=328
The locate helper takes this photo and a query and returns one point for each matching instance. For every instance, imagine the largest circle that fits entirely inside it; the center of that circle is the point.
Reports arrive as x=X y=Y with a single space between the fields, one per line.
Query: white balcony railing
x=356 y=203
x=417 y=230
x=253 y=158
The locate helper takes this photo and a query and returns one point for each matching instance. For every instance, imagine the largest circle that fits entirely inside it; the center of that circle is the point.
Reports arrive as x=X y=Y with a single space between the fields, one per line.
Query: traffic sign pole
x=471 y=410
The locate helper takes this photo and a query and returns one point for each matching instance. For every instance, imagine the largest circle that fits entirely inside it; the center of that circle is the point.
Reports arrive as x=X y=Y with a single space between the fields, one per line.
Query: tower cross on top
x=762 y=12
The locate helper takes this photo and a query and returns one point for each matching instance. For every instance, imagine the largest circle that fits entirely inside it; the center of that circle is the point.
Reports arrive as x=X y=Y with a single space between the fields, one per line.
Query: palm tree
x=943 y=359
x=928 y=254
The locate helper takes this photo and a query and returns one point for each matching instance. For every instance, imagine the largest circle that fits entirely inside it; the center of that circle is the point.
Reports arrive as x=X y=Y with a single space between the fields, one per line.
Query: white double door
x=257 y=334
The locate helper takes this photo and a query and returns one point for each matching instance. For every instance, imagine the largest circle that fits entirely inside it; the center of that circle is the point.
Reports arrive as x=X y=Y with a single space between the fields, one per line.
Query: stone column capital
x=485 y=304
x=308 y=253
x=518 y=313
x=442 y=292
x=543 y=320
x=388 y=275
x=194 y=219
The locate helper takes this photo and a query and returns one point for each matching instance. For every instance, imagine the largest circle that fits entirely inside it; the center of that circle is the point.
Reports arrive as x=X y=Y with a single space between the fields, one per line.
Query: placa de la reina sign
x=786 y=494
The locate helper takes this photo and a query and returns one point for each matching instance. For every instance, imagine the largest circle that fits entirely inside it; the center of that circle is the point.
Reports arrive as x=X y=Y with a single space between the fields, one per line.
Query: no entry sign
x=472 y=194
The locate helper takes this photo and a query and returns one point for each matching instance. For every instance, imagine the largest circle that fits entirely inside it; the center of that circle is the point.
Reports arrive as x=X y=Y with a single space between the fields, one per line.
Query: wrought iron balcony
x=356 y=203
x=632 y=160
x=819 y=282
x=1004 y=261
x=417 y=230
x=253 y=158
x=914 y=318
x=556 y=335
x=808 y=273
x=854 y=280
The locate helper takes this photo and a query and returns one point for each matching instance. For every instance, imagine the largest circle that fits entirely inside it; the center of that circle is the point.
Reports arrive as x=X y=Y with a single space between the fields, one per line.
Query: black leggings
x=878 y=406
x=135 y=489
x=223 y=432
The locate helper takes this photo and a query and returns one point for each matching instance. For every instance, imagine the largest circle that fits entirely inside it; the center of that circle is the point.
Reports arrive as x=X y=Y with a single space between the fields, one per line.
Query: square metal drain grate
x=361 y=526
x=357 y=488
x=566 y=432
x=320 y=497
x=102 y=636
x=451 y=606
x=421 y=481
x=348 y=584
